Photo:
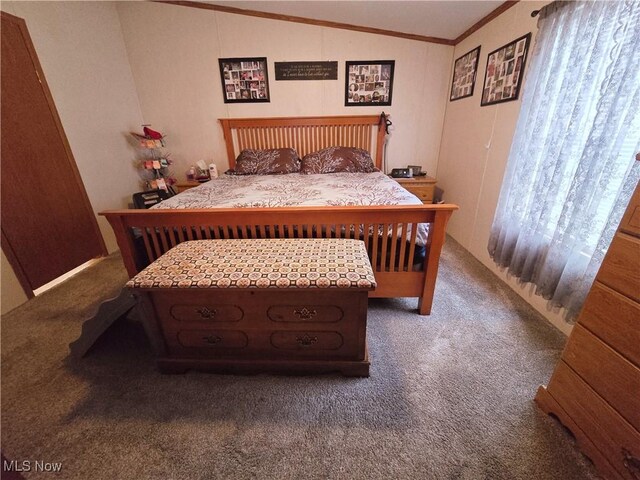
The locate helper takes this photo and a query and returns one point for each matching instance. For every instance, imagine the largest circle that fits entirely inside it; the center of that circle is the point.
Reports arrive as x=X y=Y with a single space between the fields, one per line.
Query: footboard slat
x=385 y=240
x=394 y=246
x=403 y=248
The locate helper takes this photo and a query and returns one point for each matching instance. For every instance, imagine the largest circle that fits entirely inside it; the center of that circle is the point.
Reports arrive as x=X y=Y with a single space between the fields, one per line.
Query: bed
x=404 y=238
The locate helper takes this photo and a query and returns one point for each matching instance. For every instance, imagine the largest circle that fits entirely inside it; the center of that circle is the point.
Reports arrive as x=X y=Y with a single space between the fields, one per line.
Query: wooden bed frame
x=392 y=259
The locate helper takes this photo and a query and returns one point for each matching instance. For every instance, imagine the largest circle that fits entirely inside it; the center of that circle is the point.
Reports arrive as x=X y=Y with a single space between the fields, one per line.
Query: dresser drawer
x=619 y=269
x=613 y=318
x=307 y=341
x=631 y=221
x=613 y=377
x=210 y=339
x=618 y=441
x=305 y=313
x=206 y=313
x=423 y=192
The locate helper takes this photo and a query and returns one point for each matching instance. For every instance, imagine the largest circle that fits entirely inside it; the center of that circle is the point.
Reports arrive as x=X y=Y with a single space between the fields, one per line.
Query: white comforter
x=293 y=190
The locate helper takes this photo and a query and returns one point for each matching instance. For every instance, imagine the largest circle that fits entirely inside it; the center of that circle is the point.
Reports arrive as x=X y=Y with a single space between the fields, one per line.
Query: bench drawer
x=218 y=339
x=307 y=342
x=305 y=313
x=206 y=313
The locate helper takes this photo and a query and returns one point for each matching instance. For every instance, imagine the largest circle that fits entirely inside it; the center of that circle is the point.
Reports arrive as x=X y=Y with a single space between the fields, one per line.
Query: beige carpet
x=450 y=396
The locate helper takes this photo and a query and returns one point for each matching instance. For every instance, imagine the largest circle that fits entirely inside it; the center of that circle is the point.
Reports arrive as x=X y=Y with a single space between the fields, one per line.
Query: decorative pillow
x=267 y=162
x=338 y=159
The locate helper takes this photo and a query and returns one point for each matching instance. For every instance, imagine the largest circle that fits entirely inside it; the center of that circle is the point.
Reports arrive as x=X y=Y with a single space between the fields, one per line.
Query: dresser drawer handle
x=305 y=314
x=206 y=313
x=306 y=340
x=212 y=339
x=631 y=463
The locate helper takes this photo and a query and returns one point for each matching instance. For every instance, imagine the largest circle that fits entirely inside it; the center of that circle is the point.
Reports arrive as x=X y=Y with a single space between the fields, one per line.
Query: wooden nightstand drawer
x=423 y=192
x=182 y=186
x=422 y=187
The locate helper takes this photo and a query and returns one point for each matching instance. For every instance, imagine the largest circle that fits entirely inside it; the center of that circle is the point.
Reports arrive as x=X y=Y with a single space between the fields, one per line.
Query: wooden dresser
x=422 y=187
x=595 y=388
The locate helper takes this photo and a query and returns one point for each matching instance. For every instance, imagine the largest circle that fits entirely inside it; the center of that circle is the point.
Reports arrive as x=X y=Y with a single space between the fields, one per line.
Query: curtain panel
x=571 y=168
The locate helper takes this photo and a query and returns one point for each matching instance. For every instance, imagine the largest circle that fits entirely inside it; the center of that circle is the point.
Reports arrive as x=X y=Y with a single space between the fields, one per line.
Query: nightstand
x=422 y=187
x=186 y=185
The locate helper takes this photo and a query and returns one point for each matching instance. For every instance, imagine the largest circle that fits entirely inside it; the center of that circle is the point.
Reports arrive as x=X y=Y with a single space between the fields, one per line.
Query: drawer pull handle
x=305 y=314
x=206 y=313
x=306 y=340
x=631 y=463
x=212 y=339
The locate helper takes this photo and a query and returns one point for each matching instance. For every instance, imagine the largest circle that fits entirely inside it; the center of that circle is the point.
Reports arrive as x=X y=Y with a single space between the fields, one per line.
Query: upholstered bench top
x=261 y=263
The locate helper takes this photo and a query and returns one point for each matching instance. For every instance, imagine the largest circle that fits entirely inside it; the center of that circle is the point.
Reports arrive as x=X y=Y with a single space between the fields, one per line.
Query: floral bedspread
x=293 y=190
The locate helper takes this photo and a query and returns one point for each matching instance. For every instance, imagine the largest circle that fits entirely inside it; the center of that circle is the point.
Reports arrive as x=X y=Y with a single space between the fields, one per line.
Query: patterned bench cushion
x=261 y=263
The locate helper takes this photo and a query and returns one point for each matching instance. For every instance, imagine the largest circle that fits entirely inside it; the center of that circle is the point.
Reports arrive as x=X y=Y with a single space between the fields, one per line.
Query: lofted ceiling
x=442 y=19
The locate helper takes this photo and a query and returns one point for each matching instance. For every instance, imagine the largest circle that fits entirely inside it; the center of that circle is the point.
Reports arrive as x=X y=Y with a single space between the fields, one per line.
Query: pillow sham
x=267 y=162
x=337 y=159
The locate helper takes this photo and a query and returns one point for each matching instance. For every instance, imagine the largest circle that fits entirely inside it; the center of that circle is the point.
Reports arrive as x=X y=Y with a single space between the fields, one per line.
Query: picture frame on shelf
x=465 y=70
x=244 y=80
x=368 y=83
x=504 y=72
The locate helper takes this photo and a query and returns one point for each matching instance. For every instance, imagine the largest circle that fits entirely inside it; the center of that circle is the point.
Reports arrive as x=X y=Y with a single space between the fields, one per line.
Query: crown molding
x=344 y=26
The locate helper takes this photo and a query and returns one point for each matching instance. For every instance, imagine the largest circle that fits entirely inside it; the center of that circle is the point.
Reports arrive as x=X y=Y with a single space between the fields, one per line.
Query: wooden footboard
x=144 y=235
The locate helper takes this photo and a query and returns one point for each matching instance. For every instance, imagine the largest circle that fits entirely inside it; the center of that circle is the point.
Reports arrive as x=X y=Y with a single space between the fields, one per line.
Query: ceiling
x=443 y=19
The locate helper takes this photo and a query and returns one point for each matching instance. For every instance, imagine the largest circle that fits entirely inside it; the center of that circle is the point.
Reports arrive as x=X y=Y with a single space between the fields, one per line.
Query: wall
x=475 y=148
x=174 y=55
x=82 y=53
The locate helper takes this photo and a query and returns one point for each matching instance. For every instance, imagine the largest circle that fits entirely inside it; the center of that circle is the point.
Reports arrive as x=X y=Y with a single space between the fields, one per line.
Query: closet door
x=48 y=226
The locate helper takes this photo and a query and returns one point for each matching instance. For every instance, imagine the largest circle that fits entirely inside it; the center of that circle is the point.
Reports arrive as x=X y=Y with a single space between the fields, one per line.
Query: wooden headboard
x=305 y=134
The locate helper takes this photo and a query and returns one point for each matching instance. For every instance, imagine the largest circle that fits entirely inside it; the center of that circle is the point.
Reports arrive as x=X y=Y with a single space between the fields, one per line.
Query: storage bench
x=255 y=305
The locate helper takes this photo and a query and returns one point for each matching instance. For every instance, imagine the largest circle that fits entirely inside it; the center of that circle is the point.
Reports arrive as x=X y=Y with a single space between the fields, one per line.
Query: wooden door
x=48 y=226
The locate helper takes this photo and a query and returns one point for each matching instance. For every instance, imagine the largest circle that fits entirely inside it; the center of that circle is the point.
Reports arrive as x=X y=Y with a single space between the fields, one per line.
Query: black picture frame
x=465 y=70
x=369 y=91
x=244 y=79
x=504 y=72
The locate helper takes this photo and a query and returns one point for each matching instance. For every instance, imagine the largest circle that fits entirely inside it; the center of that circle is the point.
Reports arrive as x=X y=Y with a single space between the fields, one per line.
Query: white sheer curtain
x=571 y=168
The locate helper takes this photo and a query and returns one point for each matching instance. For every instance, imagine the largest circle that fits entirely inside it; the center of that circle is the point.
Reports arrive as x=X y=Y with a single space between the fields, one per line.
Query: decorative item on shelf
x=154 y=161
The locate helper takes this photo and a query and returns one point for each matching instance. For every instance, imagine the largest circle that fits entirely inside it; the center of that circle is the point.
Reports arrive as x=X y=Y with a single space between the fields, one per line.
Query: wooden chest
x=243 y=306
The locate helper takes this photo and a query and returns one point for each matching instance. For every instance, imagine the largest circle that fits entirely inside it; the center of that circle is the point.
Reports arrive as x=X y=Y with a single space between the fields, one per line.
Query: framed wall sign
x=244 y=80
x=504 y=72
x=464 y=75
x=369 y=83
x=306 y=70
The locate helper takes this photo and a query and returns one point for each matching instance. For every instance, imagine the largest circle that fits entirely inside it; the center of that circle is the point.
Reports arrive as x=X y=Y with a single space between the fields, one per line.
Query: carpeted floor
x=450 y=396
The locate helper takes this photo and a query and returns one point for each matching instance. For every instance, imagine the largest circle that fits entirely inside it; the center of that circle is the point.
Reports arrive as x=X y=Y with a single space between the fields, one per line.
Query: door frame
x=6 y=245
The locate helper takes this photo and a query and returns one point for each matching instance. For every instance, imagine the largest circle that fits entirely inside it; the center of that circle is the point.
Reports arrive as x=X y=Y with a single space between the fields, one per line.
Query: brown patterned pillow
x=337 y=159
x=267 y=162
